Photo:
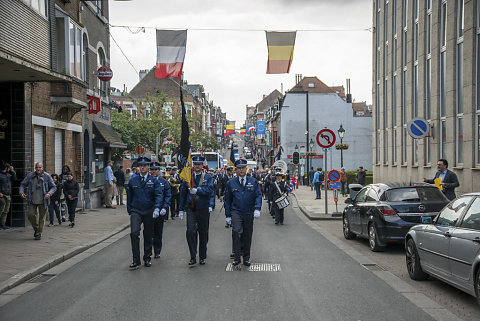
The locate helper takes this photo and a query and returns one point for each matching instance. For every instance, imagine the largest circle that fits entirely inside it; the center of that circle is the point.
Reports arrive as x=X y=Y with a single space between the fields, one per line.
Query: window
x=39 y=145
x=472 y=218
x=361 y=196
x=442 y=77
x=71 y=57
x=37 y=5
x=371 y=196
x=459 y=84
x=477 y=88
x=102 y=85
x=443 y=139
x=452 y=212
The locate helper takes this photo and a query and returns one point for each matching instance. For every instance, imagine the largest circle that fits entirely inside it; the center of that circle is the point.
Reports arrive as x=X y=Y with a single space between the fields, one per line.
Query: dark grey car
x=449 y=248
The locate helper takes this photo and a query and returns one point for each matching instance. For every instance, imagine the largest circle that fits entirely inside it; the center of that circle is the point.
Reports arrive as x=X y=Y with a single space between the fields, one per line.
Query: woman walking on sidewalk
x=54 y=205
x=70 y=189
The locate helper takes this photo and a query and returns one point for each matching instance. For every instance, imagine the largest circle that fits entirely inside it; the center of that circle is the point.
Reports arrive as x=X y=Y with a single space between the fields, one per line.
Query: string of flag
x=171 y=48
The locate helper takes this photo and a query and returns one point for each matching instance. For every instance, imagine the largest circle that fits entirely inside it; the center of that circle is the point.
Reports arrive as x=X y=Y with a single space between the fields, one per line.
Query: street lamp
x=341 y=132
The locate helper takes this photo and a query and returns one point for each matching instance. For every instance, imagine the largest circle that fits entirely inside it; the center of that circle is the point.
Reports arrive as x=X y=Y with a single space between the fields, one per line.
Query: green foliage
x=203 y=140
x=144 y=128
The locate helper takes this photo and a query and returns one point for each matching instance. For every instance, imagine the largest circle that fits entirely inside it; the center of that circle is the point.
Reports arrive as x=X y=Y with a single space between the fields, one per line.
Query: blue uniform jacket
x=204 y=194
x=144 y=198
x=167 y=194
x=243 y=200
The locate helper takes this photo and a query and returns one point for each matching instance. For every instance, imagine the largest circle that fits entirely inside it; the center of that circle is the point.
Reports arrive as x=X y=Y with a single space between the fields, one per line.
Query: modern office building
x=426 y=65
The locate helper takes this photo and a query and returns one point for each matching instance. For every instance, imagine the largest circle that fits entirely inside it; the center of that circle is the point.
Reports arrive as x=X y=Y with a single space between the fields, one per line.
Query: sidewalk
x=23 y=257
x=315 y=209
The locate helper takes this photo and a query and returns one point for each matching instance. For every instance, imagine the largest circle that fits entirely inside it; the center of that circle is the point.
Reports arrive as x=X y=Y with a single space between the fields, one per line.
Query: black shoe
x=134 y=266
x=232 y=256
x=235 y=263
x=192 y=262
x=281 y=223
x=38 y=237
x=148 y=263
x=247 y=263
x=156 y=256
x=276 y=223
x=202 y=262
x=172 y=218
x=227 y=225
x=6 y=227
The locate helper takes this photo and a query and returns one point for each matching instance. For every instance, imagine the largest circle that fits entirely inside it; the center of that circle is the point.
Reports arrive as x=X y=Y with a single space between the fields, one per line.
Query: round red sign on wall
x=105 y=73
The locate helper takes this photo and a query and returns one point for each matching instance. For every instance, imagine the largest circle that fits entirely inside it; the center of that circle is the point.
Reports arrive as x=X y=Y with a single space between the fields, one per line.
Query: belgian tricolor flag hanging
x=280 y=51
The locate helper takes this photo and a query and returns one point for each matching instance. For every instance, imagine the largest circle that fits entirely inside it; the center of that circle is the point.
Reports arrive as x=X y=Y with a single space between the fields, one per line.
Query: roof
x=105 y=134
x=151 y=85
x=268 y=101
x=313 y=85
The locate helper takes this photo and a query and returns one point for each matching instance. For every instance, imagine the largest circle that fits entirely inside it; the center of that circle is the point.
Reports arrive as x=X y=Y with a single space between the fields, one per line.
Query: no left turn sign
x=325 y=138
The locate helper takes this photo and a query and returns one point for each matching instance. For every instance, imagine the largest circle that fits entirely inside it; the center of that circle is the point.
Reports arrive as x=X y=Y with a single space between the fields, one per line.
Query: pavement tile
x=27 y=257
x=315 y=209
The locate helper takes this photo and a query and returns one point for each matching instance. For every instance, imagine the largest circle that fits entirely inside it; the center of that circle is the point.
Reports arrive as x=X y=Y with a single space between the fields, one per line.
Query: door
x=434 y=241
x=465 y=243
x=366 y=208
x=38 y=145
x=58 y=150
x=354 y=211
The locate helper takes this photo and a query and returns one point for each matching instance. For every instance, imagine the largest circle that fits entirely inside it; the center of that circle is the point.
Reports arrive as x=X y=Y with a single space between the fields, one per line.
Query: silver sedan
x=449 y=247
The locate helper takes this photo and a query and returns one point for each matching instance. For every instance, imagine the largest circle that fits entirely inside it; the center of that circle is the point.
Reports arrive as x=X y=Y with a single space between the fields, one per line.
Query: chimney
x=349 y=95
x=143 y=73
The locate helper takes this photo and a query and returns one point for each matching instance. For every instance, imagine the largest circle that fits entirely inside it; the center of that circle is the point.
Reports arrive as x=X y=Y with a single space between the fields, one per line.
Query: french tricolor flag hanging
x=171 y=46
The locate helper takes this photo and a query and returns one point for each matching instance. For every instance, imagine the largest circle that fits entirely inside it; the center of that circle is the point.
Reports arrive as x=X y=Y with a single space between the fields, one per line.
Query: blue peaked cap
x=241 y=162
x=198 y=159
x=143 y=161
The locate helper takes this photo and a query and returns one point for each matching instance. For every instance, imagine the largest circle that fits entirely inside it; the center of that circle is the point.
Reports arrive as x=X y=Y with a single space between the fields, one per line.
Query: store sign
x=104 y=73
x=94 y=104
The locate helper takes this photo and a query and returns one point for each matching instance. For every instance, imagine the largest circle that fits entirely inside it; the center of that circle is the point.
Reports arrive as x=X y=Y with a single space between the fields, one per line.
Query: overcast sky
x=231 y=65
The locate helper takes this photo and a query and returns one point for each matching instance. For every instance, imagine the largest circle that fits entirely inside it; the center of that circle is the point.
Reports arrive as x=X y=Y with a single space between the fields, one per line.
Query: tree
x=153 y=114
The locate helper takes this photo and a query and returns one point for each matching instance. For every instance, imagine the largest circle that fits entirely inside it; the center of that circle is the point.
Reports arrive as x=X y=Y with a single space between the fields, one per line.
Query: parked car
x=384 y=213
x=449 y=248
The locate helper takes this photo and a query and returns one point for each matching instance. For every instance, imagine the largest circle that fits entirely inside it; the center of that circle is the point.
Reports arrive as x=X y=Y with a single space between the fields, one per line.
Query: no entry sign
x=325 y=138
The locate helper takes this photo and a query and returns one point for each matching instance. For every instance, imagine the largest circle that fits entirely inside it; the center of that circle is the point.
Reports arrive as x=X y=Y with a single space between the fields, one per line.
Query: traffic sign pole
x=326 y=187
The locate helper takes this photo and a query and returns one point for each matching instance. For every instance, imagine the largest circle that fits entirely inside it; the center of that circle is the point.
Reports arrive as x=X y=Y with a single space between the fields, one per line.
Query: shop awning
x=105 y=134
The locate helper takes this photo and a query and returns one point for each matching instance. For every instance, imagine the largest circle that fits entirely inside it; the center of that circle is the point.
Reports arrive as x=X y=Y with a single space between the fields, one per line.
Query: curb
x=53 y=261
x=326 y=217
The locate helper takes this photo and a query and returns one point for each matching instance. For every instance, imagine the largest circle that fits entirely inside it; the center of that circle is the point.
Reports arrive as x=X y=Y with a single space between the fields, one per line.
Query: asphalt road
x=317 y=281
x=393 y=259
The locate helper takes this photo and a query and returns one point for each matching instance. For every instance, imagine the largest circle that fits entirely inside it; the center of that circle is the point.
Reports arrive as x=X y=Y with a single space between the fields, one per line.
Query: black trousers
x=158 y=234
x=136 y=220
x=174 y=202
x=242 y=230
x=197 y=232
x=71 y=205
x=278 y=213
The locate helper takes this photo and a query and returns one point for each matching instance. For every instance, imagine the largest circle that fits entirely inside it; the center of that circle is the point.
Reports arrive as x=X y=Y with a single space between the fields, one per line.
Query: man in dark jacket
x=449 y=179
x=71 y=189
x=7 y=177
x=361 y=174
x=120 y=176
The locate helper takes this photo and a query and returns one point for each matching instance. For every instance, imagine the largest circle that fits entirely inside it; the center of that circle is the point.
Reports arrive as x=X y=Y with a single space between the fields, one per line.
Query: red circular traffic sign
x=140 y=149
x=325 y=138
x=333 y=176
x=105 y=73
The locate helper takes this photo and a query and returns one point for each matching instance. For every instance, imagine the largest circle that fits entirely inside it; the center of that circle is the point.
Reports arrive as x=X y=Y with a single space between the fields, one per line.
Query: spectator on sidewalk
x=109 y=185
x=54 y=205
x=128 y=176
x=449 y=179
x=311 y=174
x=361 y=174
x=343 y=180
x=40 y=188
x=71 y=189
x=120 y=176
x=7 y=177
x=318 y=179
x=63 y=203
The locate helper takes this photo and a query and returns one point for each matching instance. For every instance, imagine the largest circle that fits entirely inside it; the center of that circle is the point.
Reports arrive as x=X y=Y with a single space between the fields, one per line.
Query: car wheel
x=413 y=262
x=373 y=239
x=349 y=235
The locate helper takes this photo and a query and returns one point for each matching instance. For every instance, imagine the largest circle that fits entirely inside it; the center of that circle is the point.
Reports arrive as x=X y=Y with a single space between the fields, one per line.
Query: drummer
x=277 y=190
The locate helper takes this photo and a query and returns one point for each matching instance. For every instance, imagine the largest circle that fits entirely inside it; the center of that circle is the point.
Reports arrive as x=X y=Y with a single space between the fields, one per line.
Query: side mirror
x=349 y=201
x=427 y=220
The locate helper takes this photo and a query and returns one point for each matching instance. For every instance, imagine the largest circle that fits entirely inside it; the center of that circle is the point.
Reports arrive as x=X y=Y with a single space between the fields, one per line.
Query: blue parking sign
x=334 y=185
x=418 y=128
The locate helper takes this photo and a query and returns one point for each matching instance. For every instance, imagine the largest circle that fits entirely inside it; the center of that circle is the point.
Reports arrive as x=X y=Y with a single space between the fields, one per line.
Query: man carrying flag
x=279 y=153
x=195 y=195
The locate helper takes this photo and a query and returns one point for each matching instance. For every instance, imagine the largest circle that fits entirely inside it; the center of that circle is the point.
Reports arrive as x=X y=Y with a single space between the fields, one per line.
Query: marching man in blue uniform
x=158 y=222
x=144 y=202
x=243 y=202
x=197 y=204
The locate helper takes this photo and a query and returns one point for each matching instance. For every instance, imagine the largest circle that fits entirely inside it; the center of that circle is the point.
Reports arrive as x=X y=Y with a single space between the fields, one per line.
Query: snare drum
x=282 y=202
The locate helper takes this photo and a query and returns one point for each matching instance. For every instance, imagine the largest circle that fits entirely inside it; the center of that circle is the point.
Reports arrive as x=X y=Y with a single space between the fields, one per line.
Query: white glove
x=228 y=220
x=180 y=215
x=193 y=191
x=210 y=210
x=256 y=214
x=163 y=212
x=156 y=212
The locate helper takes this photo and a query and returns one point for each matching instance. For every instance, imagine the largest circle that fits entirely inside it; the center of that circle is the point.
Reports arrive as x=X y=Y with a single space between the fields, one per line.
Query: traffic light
x=296 y=158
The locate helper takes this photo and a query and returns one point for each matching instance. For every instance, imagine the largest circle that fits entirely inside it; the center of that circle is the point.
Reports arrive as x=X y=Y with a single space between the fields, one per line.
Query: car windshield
x=414 y=194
